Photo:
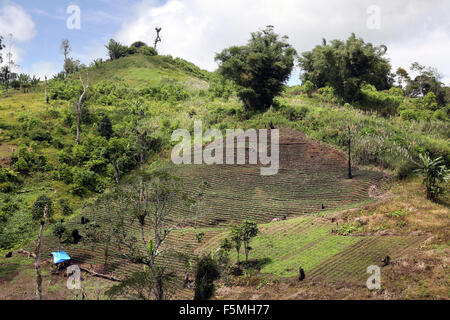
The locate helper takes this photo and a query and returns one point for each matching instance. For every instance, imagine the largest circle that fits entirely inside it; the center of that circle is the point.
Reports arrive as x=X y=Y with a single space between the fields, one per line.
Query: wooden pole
x=45 y=86
x=350 y=176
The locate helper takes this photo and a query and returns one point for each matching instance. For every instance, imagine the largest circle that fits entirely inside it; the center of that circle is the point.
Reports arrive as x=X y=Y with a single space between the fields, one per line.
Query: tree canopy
x=346 y=65
x=259 y=68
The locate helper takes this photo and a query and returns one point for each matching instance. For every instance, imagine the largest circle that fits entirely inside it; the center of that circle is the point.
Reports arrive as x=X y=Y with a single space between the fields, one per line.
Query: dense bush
x=9 y=180
x=384 y=102
x=25 y=160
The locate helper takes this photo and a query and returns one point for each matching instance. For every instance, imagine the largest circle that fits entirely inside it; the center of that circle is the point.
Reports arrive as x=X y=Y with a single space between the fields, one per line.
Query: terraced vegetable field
x=308 y=242
x=312 y=178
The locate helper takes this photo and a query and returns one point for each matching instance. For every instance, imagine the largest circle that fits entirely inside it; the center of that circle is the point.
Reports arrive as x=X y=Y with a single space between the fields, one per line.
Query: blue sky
x=413 y=30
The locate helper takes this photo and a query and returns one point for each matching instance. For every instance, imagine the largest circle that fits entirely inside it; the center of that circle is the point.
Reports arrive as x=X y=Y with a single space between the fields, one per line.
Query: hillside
x=139 y=71
x=154 y=96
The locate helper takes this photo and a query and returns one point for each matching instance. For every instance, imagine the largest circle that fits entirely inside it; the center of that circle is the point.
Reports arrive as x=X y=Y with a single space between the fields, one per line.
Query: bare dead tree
x=37 y=252
x=149 y=204
x=65 y=48
x=79 y=105
x=158 y=38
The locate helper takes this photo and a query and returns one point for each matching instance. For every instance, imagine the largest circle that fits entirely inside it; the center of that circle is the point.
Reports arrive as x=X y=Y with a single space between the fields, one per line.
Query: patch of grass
x=396 y=214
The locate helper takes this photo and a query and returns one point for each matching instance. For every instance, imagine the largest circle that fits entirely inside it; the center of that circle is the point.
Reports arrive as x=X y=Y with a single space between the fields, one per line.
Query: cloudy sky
x=413 y=30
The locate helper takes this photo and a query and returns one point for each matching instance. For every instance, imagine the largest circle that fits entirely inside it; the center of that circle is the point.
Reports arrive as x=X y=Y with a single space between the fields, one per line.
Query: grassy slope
x=417 y=241
x=136 y=71
x=140 y=71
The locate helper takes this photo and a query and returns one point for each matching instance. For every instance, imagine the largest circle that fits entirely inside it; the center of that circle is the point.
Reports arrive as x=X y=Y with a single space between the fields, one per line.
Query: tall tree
x=402 y=76
x=42 y=210
x=79 y=105
x=259 y=68
x=148 y=205
x=1 y=48
x=428 y=79
x=346 y=65
x=249 y=230
x=65 y=48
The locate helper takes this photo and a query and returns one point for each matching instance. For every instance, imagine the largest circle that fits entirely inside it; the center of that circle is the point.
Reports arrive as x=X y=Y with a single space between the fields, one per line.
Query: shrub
x=434 y=174
x=66 y=210
x=307 y=88
x=8 y=180
x=148 y=51
x=206 y=272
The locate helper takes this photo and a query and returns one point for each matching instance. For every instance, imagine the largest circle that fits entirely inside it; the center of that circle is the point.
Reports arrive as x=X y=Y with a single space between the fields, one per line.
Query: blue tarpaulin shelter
x=60 y=256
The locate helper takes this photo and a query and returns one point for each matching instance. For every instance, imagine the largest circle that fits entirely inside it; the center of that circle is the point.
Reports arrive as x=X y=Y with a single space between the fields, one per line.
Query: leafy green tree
x=428 y=79
x=58 y=231
x=434 y=174
x=236 y=238
x=71 y=66
x=138 y=44
x=259 y=68
x=402 y=77
x=25 y=82
x=249 y=230
x=5 y=77
x=38 y=208
x=115 y=49
x=242 y=234
x=41 y=211
x=346 y=65
x=1 y=48
x=116 y=148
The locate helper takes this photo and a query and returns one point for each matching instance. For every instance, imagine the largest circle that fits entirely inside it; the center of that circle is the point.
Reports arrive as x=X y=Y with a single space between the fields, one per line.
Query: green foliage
x=200 y=236
x=9 y=180
x=105 y=128
x=242 y=234
x=345 y=66
x=64 y=90
x=307 y=88
x=39 y=205
x=384 y=102
x=26 y=160
x=59 y=230
x=206 y=273
x=327 y=94
x=64 y=205
x=434 y=174
x=396 y=214
x=84 y=180
x=148 y=51
x=116 y=50
x=259 y=69
x=348 y=228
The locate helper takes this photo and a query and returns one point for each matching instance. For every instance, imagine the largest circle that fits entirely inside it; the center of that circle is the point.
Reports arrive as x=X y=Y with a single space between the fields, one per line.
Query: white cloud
x=197 y=29
x=14 y=19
